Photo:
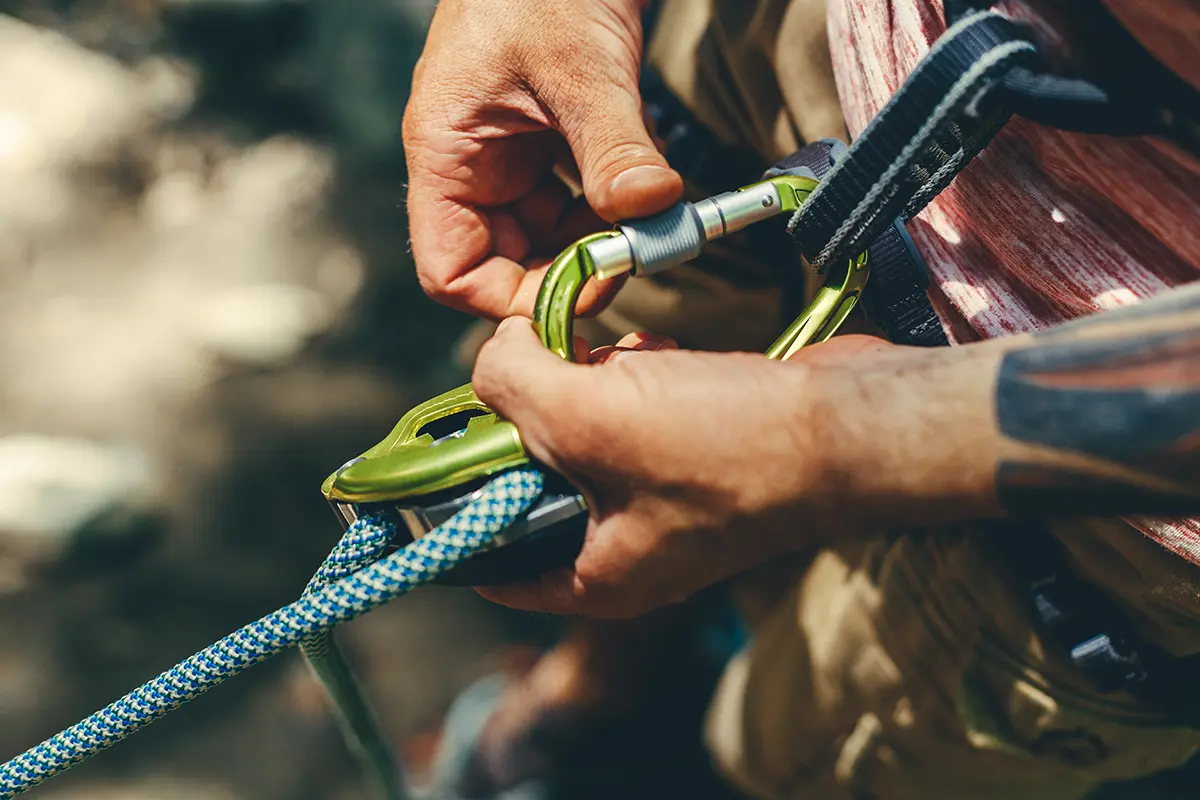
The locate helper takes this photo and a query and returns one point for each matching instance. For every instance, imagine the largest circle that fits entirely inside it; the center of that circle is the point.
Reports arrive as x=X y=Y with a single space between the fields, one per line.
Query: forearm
x=1099 y=417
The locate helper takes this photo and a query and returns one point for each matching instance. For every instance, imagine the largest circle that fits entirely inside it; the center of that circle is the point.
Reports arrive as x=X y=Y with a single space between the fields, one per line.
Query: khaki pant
x=906 y=666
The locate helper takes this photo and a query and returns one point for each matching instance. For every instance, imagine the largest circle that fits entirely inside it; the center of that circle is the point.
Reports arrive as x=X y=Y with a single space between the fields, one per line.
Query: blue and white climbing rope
x=323 y=606
x=359 y=548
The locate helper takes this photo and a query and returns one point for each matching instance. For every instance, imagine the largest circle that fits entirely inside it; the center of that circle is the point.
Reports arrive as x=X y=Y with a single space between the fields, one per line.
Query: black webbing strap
x=896 y=295
x=937 y=121
x=1135 y=94
x=934 y=124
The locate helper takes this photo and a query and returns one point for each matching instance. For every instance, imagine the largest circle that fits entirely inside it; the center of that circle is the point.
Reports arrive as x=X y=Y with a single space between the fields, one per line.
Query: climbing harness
x=451 y=495
x=1156 y=102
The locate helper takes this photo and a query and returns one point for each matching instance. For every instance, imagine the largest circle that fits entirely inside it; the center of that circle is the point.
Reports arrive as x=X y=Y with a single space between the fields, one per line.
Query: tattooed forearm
x=1109 y=409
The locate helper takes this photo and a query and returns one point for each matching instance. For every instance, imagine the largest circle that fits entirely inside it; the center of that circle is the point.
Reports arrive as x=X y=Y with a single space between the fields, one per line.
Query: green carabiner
x=420 y=456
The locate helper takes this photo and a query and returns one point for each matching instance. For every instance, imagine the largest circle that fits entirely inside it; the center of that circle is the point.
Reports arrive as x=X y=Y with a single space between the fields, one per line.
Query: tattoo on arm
x=1109 y=411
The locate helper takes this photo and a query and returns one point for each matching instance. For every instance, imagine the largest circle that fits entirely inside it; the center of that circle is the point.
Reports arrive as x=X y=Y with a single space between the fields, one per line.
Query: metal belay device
x=442 y=453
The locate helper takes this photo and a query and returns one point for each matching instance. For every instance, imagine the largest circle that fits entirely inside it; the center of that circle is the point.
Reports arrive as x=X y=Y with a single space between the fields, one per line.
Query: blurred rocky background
x=207 y=305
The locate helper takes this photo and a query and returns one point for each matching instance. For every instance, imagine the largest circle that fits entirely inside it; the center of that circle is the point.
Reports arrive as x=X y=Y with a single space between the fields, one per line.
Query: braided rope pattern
x=472 y=530
x=360 y=547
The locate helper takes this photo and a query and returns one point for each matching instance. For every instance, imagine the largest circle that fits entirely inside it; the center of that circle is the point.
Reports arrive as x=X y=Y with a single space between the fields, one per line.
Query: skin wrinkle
x=555 y=67
x=876 y=435
x=545 y=114
x=617 y=29
x=462 y=234
x=509 y=241
x=449 y=164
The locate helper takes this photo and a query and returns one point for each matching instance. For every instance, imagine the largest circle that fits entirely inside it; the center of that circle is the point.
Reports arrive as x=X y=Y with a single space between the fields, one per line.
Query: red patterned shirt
x=1045 y=225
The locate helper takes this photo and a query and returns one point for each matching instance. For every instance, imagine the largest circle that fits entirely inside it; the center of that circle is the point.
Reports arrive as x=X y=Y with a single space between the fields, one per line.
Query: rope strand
x=323 y=606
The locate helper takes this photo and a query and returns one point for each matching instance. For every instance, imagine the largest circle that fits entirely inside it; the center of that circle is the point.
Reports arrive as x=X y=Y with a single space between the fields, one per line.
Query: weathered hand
x=696 y=465
x=504 y=91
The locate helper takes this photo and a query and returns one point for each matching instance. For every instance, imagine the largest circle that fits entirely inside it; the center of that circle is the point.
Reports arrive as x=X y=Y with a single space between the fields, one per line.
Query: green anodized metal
x=793 y=190
x=554 y=310
x=828 y=310
x=410 y=463
x=834 y=301
x=407 y=463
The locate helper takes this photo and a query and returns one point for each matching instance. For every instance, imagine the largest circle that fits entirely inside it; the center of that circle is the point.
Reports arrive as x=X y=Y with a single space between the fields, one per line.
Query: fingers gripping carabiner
x=679 y=234
x=443 y=450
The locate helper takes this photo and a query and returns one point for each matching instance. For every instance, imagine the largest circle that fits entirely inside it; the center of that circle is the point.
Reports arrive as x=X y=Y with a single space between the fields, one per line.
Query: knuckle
x=600 y=577
x=440 y=267
x=410 y=125
x=564 y=595
x=436 y=284
x=588 y=573
x=485 y=377
x=493 y=384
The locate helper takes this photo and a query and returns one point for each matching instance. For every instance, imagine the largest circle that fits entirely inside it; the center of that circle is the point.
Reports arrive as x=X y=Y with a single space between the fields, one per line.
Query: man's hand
x=505 y=91
x=695 y=465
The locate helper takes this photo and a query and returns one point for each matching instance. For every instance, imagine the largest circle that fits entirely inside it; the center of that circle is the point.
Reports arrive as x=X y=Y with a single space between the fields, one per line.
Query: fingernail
x=652 y=342
x=643 y=190
x=644 y=178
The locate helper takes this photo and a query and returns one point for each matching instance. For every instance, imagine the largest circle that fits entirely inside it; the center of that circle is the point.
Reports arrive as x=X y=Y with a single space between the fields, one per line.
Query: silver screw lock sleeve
x=678 y=235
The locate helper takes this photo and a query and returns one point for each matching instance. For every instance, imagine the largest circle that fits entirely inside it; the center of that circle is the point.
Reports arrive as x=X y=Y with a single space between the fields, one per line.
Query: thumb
x=624 y=175
x=528 y=385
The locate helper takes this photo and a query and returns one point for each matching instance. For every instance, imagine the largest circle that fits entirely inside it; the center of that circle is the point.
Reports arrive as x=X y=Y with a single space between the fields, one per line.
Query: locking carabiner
x=679 y=234
x=444 y=450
